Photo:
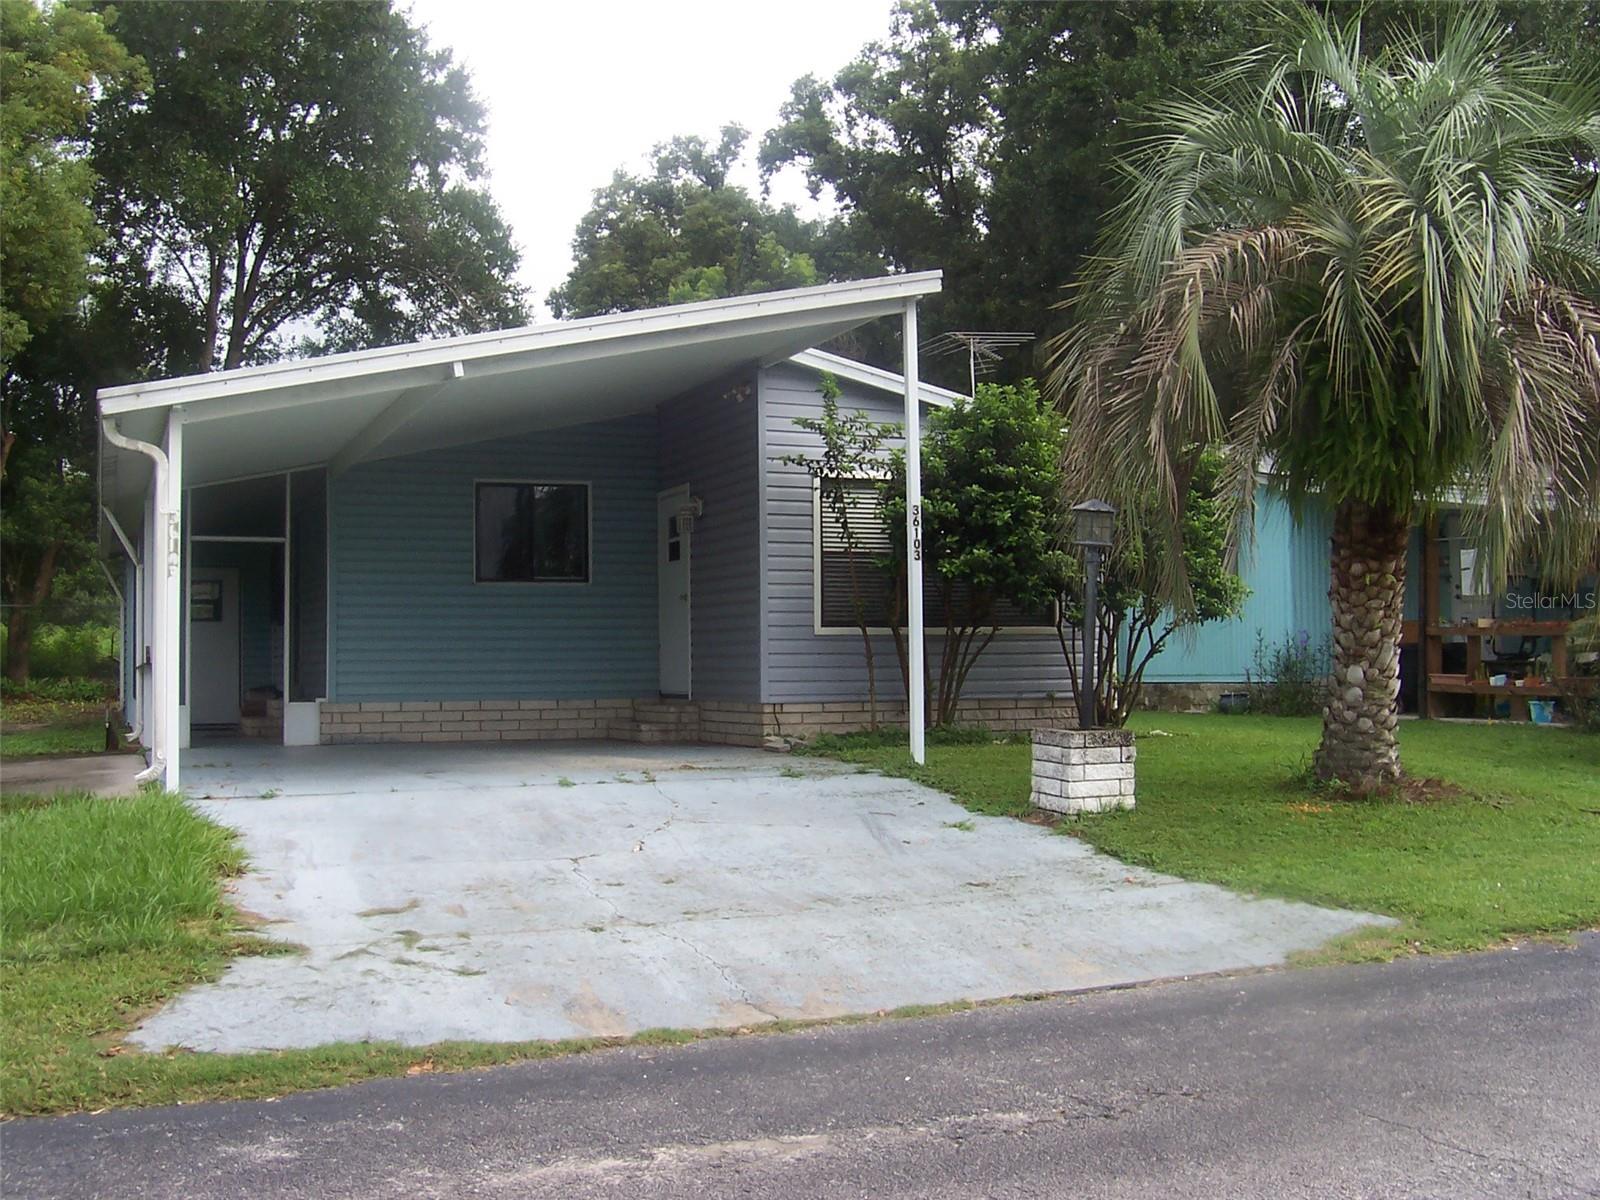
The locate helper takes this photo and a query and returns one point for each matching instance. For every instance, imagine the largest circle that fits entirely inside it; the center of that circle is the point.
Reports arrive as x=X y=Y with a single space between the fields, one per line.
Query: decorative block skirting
x=1003 y=715
x=1186 y=697
x=1082 y=770
x=731 y=723
x=721 y=722
x=469 y=720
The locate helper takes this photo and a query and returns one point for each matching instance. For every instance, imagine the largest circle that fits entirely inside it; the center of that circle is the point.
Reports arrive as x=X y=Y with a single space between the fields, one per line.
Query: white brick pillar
x=1082 y=770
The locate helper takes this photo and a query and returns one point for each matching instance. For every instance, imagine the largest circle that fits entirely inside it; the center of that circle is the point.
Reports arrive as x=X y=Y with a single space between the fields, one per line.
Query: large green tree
x=983 y=137
x=51 y=64
x=48 y=572
x=1379 y=272
x=978 y=138
x=296 y=175
x=313 y=167
x=684 y=231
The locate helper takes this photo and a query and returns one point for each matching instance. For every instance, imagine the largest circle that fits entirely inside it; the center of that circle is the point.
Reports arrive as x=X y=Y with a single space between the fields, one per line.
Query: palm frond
x=1380 y=271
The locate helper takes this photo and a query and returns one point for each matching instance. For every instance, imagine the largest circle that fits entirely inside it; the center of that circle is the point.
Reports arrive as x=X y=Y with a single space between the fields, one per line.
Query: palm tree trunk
x=1367 y=592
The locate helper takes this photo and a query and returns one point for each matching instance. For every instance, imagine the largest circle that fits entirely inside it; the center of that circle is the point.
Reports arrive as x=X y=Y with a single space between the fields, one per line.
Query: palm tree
x=1378 y=275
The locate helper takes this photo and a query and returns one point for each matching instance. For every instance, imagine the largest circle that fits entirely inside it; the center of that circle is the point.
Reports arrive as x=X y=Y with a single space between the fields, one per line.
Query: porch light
x=1093 y=524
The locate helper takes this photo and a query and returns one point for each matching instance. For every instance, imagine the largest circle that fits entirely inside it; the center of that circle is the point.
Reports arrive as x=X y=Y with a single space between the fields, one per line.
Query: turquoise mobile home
x=1466 y=649
x=581 y=529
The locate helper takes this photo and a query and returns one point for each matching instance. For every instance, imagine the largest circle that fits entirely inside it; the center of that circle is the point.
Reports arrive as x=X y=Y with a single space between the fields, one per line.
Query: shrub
x=73 y=652
x=58 y=691
x=1579 y=703
x=1583 y=708
x=1289 y=678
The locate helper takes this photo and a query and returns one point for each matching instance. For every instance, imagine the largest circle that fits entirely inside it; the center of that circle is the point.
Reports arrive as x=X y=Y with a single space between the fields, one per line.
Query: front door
x=672 y=587
x=214 y=646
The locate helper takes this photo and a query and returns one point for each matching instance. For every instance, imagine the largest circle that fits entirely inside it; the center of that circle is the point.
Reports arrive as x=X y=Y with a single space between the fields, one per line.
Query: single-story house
x=577 y=529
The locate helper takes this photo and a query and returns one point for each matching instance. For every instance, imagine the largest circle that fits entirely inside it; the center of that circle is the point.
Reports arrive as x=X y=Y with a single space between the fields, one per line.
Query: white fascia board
x=889 y=291
x=874 y=377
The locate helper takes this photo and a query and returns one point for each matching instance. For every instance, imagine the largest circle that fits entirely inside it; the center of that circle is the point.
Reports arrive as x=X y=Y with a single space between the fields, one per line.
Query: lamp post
x=1093 y=523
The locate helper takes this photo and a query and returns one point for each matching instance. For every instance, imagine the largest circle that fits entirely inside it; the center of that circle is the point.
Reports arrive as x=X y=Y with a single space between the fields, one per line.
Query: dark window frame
x=587 y=488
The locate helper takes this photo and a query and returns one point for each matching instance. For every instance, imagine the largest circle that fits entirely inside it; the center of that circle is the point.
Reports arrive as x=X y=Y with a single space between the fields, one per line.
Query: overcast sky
x=574 y=90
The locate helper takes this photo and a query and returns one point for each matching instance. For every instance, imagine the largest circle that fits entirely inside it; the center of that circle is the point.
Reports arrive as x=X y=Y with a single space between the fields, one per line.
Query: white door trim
x=682 y=490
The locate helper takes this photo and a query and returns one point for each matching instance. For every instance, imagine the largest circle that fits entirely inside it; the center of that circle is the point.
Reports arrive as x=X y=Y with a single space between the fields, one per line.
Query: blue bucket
x=1543 y=712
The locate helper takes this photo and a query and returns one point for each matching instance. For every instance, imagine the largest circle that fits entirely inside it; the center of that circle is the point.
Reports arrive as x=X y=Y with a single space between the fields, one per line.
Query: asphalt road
x=1466 y=1077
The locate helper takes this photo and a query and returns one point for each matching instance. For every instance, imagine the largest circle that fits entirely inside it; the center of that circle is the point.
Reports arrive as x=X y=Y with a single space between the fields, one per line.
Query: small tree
x=852 y=448
x=1134 y=625
x=991 y=487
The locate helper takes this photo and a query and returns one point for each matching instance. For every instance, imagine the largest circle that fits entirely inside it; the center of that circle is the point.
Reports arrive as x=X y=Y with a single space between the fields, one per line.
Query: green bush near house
x=1289 y=677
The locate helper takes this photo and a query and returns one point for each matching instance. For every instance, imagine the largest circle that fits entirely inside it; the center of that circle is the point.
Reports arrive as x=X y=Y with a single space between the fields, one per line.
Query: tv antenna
x=983 y=348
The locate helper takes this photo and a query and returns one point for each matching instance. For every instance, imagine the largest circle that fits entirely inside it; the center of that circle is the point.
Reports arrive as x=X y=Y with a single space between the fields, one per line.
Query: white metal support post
x=288 y=598
x=916 y=700
x=169 y=638
x=186 y=523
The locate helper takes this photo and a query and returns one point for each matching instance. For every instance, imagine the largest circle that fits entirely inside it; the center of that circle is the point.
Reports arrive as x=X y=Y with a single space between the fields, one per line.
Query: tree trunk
x=19 y=624
x=1367 y=592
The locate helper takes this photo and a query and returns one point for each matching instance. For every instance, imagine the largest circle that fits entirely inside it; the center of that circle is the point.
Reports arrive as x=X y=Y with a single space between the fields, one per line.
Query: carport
x=528 y=891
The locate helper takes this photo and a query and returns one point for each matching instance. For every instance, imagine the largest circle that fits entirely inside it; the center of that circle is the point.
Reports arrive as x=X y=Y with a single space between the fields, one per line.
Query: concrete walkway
x=551 y=891
x=101 y=774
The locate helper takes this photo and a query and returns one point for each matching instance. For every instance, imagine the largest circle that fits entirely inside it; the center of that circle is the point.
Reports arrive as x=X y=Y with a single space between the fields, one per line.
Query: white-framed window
x=834 y=607
x=531 y=532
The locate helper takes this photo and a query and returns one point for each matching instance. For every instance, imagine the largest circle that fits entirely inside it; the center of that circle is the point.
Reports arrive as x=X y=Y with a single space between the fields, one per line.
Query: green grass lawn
x=33 y=724
x=70 y=735
x=1225 y=799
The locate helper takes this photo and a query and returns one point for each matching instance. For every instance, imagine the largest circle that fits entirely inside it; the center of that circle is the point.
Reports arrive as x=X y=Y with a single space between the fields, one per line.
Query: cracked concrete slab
x=506 y=893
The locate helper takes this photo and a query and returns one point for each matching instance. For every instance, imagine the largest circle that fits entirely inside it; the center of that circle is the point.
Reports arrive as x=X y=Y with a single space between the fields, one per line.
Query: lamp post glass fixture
x=1093 y=523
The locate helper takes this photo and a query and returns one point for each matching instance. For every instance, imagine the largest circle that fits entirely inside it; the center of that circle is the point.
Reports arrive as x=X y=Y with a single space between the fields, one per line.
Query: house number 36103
x=916 y=533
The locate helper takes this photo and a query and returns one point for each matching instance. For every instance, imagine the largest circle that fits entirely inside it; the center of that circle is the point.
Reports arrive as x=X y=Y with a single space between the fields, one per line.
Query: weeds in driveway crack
x=393 y=911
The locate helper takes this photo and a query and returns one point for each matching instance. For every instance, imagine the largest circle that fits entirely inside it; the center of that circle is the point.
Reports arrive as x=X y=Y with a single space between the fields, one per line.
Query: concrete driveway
x=565 y=890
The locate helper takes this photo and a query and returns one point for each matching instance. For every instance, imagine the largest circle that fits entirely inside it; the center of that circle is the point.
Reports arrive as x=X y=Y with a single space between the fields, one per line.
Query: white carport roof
x=347 y=408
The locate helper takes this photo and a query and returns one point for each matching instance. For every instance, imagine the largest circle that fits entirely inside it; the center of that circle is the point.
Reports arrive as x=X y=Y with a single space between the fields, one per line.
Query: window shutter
x=872 y=543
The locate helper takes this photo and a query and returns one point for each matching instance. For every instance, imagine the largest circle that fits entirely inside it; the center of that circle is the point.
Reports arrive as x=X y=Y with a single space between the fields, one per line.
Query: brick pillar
x=1082 y=770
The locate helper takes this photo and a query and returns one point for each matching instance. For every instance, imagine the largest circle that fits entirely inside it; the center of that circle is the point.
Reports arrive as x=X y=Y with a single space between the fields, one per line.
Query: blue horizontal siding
x=802 y=665
x=1286 y=569
x=411 y=623
x=708 y=440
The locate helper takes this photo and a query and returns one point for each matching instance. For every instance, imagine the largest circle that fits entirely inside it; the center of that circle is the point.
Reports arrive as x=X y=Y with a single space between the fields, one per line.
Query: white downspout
x=163 y=735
